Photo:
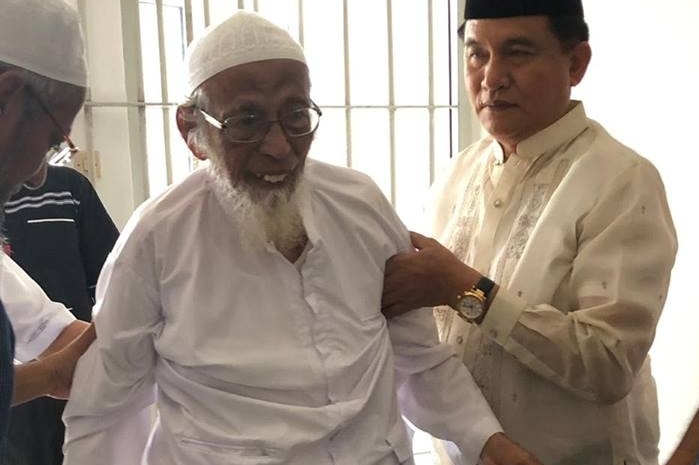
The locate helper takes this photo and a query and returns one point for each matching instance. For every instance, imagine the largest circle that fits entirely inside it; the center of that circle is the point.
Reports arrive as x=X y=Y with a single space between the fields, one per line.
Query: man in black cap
x=559 y=247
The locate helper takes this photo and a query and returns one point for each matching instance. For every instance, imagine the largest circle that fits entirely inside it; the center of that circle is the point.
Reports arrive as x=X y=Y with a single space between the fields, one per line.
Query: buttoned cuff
x=503 y=314
x=481 y=430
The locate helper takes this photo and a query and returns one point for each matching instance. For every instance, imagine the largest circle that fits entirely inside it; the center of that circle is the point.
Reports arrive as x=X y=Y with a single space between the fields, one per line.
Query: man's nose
x=496 y=74
x=275 y=143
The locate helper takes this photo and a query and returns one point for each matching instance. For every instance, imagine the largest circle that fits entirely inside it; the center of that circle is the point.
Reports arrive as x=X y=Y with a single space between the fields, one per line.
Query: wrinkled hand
x=61 y=364
x=501 y=450
x=429 y=276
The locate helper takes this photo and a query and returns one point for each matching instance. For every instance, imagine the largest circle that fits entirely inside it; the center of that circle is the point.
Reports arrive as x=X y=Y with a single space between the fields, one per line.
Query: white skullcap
x=43 y=36
x=245 y=37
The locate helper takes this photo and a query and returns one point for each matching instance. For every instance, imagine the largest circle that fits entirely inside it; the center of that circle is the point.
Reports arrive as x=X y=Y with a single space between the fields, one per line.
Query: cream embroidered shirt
x=576 y=230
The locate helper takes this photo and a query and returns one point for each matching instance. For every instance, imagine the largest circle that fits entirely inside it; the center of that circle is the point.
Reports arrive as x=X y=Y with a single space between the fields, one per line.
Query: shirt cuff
x=503 y=314
x=45 y=333
x=481 y=431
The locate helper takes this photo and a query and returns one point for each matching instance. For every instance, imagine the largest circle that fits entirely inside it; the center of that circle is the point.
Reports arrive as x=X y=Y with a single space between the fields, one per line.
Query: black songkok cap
x=483 y=9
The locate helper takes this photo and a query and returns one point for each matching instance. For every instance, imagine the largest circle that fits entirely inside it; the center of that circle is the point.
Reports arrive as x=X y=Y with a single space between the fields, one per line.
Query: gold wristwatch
x=471 y=304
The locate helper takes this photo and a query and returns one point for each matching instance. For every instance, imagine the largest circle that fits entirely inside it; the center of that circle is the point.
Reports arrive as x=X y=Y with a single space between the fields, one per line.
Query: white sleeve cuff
x=503 y=314
x=36 y=320
x=51 y=326
x=472 y=446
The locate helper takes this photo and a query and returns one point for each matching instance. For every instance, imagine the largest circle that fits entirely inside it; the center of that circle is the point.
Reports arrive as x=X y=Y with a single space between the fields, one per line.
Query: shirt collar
x=565 y=129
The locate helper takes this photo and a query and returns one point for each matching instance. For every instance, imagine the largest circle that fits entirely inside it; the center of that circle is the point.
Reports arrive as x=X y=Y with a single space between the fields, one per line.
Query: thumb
x=419 y=241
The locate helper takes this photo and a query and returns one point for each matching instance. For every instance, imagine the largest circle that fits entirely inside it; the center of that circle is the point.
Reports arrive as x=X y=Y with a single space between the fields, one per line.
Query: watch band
x=485 y=285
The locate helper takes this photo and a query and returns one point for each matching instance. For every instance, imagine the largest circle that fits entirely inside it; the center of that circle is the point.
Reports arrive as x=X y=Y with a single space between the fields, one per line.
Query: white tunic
x=36 y=319
x=255 y=361
x=576 y=229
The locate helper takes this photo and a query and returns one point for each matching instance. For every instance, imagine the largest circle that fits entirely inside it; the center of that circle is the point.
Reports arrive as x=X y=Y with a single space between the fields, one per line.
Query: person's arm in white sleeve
x=51 y=375
x=36 y=320
x=435 y=390
x=46 y=336
x=438 y=394
x=107 y=419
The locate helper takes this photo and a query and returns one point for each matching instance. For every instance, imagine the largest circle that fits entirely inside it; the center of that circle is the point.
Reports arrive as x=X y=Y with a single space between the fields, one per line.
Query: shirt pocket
x=230 y=452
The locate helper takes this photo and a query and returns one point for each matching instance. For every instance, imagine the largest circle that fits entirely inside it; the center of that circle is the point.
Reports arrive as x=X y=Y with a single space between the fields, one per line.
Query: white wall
x=643 y=86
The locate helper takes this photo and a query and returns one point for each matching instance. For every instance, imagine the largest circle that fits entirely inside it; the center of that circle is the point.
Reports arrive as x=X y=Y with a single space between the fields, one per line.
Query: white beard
x=268 y=217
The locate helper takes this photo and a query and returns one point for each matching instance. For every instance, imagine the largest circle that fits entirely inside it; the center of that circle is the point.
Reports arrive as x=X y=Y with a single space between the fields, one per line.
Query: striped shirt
x=60 y=234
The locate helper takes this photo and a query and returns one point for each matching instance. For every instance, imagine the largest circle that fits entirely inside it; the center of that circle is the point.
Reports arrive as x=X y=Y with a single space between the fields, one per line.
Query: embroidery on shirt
x=525 y=223
x=461 y=235
x=549 y=173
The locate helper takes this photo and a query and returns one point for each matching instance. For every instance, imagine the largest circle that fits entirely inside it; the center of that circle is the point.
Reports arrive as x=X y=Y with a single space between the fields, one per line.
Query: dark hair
x=570 y=30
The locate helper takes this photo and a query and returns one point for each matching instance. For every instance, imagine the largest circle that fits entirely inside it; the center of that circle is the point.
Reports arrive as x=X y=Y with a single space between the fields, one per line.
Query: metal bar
x=430 y=86
x=451 y=78
x=133 y=81
x=130 y=104
x=160 y=18
x=391 y=101
x=390 y=107
x=348 y=108
x=207 y=13
x=174 y=104
x=188 y=22
x=255 y=6
x=300 y=3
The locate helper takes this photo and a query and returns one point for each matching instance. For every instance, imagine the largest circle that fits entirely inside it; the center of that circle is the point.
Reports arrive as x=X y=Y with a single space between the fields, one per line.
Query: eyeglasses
x=249 y=127
x=58 y=154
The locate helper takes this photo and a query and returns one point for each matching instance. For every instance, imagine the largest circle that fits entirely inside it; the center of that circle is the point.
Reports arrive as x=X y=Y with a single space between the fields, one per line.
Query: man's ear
x=580 y=57
x=186 y=124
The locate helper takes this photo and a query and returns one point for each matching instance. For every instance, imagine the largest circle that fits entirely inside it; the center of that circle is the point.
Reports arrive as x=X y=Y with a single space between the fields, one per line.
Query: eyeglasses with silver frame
x=249 y=127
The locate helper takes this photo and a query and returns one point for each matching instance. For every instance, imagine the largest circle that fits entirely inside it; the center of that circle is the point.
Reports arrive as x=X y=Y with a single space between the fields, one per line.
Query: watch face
x=470 y=307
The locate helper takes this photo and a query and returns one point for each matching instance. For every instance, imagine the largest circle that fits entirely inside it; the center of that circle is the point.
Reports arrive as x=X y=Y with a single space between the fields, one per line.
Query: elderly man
x=42 y=87
x=248 y=297
x=560 y=246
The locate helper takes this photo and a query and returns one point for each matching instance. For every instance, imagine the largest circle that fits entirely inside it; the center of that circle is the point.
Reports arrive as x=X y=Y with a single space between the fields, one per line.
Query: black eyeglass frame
x=221 y=125
x=61 y=155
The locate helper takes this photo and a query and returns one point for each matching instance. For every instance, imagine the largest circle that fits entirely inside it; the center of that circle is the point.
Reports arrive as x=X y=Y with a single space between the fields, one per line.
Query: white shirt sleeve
x=435 y=390
x=36 y=320
x=108 y=417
